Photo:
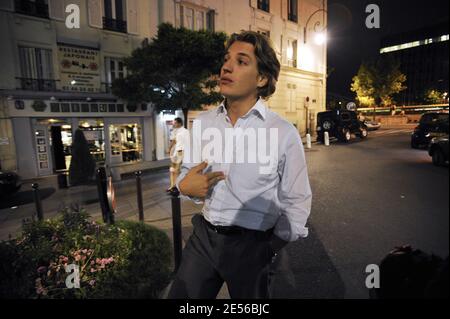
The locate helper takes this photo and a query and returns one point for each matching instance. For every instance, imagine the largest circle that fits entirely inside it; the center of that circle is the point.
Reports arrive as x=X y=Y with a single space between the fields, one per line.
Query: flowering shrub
x=126 y=260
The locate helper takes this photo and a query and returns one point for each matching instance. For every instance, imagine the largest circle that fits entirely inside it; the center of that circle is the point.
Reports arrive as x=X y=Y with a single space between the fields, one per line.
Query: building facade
x=56 y=79
x=424 y=59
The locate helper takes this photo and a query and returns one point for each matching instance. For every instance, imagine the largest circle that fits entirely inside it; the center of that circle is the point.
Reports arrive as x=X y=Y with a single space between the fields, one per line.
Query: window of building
x=115 y=69
x=264 y=5
x=114 y=18
x=194 y=18
x=126 y=141
x=36 y=67
x=37 y=8
x=93 y=130
x=292 y=53
x=293 y=10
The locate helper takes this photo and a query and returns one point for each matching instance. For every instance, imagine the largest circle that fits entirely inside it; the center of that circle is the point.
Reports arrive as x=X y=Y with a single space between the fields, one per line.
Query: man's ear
x=262 y=81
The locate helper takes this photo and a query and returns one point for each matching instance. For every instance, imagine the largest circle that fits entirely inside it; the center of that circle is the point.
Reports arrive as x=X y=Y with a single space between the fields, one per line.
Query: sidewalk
x=156 y=203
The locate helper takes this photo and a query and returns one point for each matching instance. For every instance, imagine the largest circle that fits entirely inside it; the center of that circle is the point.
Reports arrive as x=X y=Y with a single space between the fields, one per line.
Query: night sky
x=350 y=42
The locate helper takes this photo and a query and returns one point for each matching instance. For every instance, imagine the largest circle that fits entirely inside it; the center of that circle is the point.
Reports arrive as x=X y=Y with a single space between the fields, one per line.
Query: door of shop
x=43 y=153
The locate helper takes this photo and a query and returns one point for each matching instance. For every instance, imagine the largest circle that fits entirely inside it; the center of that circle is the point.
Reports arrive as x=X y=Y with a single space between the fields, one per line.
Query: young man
x=178 y=138
x=249 y=214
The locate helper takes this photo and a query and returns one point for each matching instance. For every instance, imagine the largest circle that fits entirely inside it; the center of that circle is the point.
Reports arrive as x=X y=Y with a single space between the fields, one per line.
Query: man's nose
x=227 y=68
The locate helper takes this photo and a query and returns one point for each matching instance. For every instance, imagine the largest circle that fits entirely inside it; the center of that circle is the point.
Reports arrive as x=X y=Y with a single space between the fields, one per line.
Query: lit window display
x=126 y=141
x=93 y=130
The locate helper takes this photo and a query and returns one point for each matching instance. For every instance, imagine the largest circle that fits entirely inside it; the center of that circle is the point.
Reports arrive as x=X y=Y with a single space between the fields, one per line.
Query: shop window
x=126 y=142
x=93 y=130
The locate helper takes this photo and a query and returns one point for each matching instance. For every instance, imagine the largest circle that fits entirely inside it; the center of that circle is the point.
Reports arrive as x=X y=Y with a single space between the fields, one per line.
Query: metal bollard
x=139 y=195
x=176 y=224
x=101 y=188
x=37 y=201
x=327 y=139
x=308 y=140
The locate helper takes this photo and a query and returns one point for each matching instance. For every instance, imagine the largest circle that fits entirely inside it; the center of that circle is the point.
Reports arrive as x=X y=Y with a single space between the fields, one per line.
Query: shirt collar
x=258 y=108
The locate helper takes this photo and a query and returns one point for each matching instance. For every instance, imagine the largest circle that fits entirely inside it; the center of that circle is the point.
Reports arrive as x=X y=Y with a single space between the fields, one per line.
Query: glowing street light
x=320 y=38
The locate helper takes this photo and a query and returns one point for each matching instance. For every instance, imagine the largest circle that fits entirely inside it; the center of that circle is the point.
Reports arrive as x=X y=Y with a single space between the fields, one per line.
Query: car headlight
x=427 y=135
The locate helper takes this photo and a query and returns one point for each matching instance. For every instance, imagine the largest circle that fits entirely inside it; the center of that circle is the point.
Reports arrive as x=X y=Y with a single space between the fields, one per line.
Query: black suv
x=432 y=124
x=340 y=124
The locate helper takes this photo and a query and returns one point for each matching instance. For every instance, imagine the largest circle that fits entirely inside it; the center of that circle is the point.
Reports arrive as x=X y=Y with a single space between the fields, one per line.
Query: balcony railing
x=32 y=8
x=114 y=25
x=37 y=84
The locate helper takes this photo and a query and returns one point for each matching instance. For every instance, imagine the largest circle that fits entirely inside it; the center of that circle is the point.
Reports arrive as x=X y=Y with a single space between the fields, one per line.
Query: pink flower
x=77 y=258
x=41 y=269
x=92 y=282
x=92 y=270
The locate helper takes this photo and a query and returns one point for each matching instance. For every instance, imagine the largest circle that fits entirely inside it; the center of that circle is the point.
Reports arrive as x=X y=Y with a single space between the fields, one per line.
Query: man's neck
x=237 y=108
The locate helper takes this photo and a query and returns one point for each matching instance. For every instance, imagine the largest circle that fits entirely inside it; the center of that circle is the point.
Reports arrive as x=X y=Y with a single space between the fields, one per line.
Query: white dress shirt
x=253 y=196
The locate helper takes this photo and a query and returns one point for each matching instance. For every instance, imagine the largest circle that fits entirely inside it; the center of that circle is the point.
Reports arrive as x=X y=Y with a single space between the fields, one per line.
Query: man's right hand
x=197 y=184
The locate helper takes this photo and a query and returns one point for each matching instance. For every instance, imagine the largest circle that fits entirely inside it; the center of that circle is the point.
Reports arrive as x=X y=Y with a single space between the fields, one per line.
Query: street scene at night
x=204 y=149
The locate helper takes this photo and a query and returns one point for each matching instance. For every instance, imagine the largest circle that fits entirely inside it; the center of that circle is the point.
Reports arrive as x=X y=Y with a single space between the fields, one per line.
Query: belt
x=228 y=230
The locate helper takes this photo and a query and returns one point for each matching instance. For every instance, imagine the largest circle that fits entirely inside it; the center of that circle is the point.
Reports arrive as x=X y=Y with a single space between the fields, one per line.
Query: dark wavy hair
x=268 y=64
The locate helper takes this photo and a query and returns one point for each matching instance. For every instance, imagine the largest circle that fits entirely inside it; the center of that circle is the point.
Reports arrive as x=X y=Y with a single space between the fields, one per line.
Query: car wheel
x=363 y=133
x=438 y=157
x=414 y=144
x=346 y=135
x=327 y=124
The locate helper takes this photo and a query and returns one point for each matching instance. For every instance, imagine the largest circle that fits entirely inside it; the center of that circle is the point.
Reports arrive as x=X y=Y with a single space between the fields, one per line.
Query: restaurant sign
x=79 y=69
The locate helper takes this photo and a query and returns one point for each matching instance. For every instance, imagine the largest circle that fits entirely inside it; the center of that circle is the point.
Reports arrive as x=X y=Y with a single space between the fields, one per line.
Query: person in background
x=178 y=139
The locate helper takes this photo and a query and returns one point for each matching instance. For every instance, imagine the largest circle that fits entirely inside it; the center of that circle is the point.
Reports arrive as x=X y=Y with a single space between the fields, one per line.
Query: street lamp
x=320 y=37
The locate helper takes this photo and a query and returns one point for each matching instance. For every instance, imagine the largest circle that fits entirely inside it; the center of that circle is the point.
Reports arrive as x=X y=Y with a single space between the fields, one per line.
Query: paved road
x=368 y=196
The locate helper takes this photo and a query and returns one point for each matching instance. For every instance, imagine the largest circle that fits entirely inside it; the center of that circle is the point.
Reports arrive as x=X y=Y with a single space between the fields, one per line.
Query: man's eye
x=242 y=62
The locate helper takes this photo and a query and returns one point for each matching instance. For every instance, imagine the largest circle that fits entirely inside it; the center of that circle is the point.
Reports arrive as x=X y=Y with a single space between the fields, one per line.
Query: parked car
x=372 y=125
x=438 y=150
x=432 y=124
x=340 y=124
x=9 y=183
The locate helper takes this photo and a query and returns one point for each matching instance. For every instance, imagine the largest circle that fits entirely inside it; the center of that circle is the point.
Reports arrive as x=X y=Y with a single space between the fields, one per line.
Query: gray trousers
x=242 y=259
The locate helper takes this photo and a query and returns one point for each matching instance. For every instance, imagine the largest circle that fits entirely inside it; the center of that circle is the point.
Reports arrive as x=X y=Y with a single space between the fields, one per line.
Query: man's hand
x=197 y=184
x=276 y=243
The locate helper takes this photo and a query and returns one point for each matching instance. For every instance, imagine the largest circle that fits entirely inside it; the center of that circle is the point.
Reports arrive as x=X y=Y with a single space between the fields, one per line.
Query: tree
x=82 y=164
x=432 y=96
x=377 y=82
x=363 y=85
x=178 y=69
x=389 y=80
